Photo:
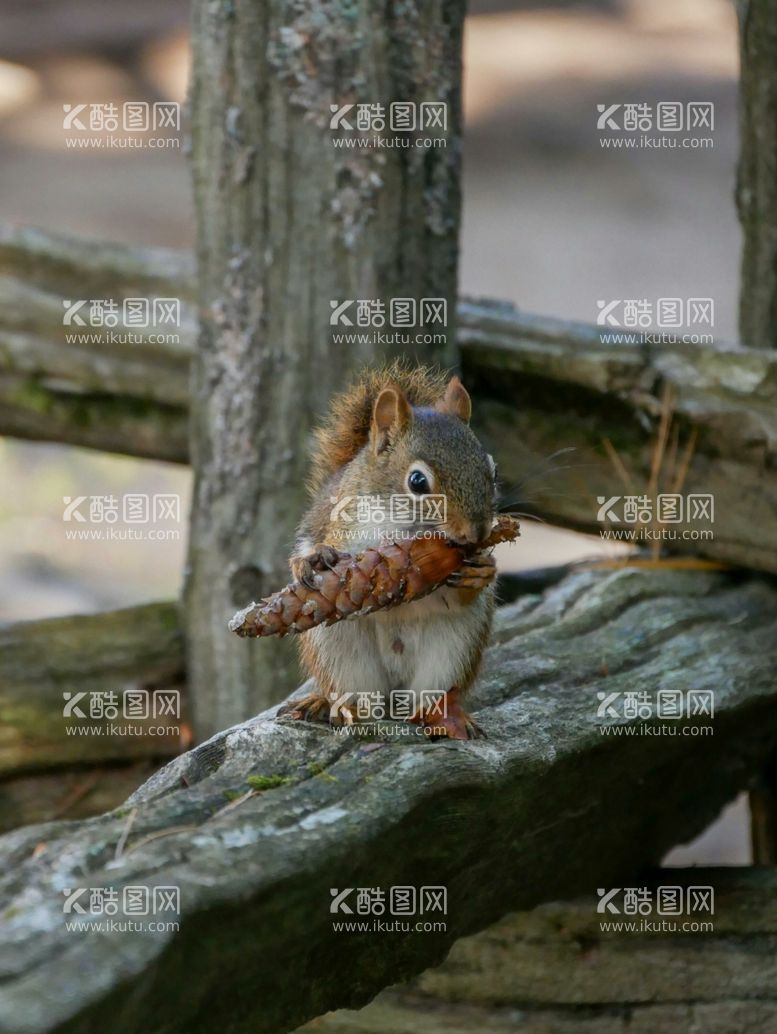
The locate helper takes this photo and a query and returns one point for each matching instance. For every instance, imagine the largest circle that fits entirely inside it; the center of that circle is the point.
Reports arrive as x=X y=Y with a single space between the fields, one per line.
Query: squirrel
x=399 y=432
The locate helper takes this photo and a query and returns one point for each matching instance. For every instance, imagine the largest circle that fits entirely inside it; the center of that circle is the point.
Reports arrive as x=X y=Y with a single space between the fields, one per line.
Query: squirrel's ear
x=390 y=413
x=456 y=401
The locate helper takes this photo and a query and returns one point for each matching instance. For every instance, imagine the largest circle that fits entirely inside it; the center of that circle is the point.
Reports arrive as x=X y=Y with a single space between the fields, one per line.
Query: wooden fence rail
x=540 y=385
x=564 y=968
x=257 y=825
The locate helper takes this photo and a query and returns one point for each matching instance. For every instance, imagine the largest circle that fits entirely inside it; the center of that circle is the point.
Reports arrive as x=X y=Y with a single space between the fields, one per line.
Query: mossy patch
x=267 y=782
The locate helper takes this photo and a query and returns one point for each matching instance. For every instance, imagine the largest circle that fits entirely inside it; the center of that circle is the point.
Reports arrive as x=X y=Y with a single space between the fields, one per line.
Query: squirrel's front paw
x=304 y=568
x=476 y=573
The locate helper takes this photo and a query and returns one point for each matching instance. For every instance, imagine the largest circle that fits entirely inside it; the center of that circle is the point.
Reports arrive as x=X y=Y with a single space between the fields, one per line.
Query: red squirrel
x=400 y=431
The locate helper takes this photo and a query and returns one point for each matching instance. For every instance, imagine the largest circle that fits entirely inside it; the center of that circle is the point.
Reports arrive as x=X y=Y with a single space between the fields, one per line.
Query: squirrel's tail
x=346 y=428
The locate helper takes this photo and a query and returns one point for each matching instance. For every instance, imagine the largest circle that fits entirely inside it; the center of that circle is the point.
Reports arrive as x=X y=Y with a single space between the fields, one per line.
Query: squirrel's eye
x=417 y=482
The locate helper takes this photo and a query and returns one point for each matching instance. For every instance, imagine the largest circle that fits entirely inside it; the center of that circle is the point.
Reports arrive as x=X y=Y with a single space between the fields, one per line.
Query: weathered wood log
x=41 y=412
x=80 y=384
x=539 y=385
x=563 y=971
x=55 y=677
x=491 y=820
x=757 y=172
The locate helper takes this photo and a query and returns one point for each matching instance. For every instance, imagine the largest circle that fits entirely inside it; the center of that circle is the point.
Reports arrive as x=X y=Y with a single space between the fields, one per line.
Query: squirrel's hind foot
x=450 y=720
x=317 y=707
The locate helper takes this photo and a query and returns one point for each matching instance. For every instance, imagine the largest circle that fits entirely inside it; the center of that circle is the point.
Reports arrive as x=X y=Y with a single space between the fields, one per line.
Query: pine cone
x=378 y=578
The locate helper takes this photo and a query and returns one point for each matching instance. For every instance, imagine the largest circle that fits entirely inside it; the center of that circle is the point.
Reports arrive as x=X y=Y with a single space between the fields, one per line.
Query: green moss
x=317 y=770
x=29 y=395
x=260 y=782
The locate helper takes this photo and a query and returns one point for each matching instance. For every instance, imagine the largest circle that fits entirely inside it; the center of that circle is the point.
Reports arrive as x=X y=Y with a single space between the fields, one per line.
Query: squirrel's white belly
x=421 y=646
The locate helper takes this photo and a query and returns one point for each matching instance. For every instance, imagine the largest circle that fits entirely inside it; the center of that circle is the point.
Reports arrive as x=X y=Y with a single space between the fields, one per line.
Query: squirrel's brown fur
x=415 y=421
x=346 y=428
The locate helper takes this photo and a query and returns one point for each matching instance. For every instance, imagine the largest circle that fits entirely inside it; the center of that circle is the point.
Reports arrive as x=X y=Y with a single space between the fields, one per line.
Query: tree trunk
x=287 y=224
x=757 y=174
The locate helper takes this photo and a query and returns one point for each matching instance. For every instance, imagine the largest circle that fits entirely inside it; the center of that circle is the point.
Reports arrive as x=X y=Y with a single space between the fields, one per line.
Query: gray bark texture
x=757 y=172
x=258 y=824
x=554 y=970
x=287 y=223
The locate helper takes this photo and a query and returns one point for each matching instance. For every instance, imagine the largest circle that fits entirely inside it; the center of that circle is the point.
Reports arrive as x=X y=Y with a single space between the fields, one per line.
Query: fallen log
x=256 y=826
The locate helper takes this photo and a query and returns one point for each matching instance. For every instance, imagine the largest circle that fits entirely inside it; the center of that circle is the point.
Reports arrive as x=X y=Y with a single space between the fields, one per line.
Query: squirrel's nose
x=468 y=533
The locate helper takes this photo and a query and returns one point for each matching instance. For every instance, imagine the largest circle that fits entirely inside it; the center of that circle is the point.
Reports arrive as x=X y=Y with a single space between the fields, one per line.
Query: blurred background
x=551 y=222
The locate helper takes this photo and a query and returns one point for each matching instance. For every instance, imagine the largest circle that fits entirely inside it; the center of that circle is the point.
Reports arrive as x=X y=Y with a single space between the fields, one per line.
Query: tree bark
x=287 y=223
x=757 y=173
